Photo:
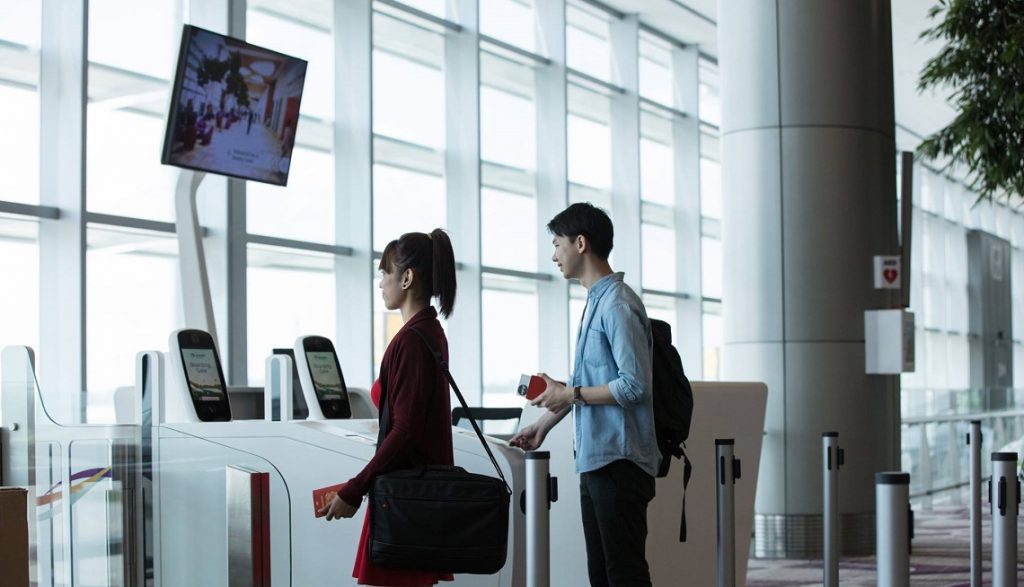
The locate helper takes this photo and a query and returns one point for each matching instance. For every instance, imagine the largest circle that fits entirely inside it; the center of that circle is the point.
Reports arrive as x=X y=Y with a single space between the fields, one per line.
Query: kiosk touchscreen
x=320 y=371
x=204 y=376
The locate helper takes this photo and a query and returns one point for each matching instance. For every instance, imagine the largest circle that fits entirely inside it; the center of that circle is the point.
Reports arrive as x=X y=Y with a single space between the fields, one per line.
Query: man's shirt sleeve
x=626 y=330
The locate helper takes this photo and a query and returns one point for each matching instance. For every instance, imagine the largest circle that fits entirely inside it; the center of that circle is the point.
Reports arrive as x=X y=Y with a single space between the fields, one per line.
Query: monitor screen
x=234 y=108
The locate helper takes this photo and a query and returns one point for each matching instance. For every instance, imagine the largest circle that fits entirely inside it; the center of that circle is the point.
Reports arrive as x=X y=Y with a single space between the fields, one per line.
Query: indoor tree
x=982 y=62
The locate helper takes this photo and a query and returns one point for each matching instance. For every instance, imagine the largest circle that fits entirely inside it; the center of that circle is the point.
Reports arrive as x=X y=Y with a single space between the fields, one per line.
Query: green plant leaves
x=983 y=63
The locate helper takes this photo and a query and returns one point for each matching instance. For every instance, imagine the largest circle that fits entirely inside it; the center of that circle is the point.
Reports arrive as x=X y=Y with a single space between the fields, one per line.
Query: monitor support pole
x=195 y=283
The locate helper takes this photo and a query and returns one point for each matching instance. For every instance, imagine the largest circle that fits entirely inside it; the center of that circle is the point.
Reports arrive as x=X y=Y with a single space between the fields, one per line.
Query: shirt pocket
x=597 y=352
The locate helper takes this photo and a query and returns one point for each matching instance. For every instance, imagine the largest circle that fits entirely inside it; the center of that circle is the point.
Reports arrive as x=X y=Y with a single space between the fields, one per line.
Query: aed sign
x=887 y=272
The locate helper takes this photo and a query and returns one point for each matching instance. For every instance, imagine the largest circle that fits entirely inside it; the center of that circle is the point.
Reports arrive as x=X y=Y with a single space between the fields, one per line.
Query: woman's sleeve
x=410 y=379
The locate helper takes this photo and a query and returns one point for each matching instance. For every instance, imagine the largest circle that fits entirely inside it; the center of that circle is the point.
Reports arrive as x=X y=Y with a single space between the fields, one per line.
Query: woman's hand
x=339 y=508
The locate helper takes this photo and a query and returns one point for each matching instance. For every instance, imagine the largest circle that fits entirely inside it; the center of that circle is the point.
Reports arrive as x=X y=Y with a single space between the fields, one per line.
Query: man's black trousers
x=614 y=501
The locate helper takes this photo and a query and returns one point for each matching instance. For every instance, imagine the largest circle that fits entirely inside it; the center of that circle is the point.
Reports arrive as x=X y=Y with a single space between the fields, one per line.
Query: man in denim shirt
x=610 y=396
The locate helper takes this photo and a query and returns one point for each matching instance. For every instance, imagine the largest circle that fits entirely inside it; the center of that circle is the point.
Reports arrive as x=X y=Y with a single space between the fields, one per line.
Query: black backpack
x=673 y=406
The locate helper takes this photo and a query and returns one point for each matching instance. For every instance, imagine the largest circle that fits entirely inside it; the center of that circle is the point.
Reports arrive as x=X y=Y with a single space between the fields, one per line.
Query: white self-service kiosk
x=197 y=451
x=314 y=357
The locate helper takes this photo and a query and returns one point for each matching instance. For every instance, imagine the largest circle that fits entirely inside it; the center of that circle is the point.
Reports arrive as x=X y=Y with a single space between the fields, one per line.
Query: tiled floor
x=940 y=557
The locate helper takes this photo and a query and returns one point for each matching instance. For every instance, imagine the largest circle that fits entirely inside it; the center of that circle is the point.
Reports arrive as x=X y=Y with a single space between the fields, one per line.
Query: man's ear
x=582 y=246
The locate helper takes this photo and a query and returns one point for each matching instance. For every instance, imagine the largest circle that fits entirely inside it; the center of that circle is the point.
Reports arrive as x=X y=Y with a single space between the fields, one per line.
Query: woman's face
x=391 y=288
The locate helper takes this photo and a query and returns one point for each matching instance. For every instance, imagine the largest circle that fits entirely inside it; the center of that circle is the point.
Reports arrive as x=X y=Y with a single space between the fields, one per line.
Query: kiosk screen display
x=326 y=378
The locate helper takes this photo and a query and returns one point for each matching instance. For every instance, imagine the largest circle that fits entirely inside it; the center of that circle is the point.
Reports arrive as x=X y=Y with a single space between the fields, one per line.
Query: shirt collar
x=603 y=284
x=424 y=315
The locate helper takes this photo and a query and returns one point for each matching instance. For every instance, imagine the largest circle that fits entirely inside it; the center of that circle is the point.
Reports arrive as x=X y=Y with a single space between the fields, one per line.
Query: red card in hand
x=530 y=386
x=323 y=497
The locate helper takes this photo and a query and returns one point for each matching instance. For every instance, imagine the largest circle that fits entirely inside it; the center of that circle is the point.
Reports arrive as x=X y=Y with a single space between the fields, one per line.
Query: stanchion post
x=1004 y=501
x=727 y=471
x=974 y=442
x=538 y=500
x=832 y=459
x=892 y=535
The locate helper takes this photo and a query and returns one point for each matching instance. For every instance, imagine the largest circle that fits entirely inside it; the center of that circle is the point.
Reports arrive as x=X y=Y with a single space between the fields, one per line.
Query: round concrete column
x=809 y=186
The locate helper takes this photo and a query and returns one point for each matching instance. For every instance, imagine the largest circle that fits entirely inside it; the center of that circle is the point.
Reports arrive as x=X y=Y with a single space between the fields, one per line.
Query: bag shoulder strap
x=443 y=365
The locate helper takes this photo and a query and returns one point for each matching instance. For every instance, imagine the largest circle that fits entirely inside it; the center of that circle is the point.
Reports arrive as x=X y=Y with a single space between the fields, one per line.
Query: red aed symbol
x=890 y=275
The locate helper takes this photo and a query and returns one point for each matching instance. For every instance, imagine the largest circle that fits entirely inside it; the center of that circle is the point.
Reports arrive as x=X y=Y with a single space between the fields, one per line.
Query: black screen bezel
x=219 y=411
x=338 y=409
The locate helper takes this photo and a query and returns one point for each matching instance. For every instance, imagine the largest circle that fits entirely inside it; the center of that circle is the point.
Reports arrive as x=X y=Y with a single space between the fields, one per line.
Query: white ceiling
x=692 y=21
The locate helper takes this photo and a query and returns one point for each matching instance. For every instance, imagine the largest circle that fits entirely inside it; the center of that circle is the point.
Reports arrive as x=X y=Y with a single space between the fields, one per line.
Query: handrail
x=962 y=417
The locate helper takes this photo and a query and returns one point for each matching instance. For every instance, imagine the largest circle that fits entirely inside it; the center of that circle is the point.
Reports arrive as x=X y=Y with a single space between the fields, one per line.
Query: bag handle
x=386 y=412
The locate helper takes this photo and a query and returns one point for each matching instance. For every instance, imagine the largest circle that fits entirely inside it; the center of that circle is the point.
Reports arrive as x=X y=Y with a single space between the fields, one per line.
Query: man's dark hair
x=590 y=221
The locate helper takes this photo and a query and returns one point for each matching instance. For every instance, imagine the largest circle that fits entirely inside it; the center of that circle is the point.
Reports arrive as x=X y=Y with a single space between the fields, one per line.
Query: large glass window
x=510 y=336
x=709 y=102
x=508 y=206
x=132 y=304
x=408 y=82
x=19 y=296
x=301 y=30
x=711 y=332
x=19 y=81
x=589 y=137
x=408 y=124
x=656 y=70
x=304 y=210
x=125 y=176
x=19 y=143
x=710 y=177
x=511 y=21
x=291 y=294
x=509 y=230
x=711 y=267
x=130 y=68
x=588 y=44
x=657 y=192
x=405 y=201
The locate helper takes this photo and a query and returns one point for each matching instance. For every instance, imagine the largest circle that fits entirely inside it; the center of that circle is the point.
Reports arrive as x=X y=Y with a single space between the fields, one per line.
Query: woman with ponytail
x=415 y=269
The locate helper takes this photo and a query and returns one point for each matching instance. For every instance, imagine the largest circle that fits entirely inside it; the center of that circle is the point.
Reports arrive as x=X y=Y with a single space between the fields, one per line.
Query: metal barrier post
x=974 y=441
x=248 y=527
x=832 y=459
x=1004 y=502
x=892 y=535
x=541 y=490
x=728 y=468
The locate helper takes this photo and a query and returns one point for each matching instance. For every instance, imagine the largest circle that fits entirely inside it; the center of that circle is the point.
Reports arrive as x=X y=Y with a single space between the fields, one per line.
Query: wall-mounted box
x=888 y=342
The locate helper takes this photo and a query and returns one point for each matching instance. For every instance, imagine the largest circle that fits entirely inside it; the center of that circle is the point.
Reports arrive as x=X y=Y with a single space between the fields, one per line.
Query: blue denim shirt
x=614 y=347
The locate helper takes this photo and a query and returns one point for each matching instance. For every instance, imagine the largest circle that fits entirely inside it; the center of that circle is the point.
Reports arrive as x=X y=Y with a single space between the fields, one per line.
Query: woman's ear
x=407 y=278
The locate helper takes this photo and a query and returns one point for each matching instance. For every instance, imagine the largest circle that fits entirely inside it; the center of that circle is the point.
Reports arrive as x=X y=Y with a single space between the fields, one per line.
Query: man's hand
x=339 y=508
x=529 y=438
x=556 y=397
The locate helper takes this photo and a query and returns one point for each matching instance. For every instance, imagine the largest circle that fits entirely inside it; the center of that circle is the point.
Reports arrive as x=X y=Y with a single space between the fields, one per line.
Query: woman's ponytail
x=443 y=278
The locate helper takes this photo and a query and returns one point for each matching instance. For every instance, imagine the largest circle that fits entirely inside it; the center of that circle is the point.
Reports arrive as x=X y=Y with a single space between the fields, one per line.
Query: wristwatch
x=577 y=397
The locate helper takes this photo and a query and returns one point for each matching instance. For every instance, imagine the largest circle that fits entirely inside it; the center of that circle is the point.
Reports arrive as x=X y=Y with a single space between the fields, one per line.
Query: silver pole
x=974 y=441
x=832 y=459
x=892 y=538
x=248 y=527
x=728 y=470
x=538 y=547
x=1004 y=501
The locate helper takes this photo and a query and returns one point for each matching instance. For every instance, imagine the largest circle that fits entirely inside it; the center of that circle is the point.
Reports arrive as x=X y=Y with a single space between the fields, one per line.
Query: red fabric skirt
x=368 y=574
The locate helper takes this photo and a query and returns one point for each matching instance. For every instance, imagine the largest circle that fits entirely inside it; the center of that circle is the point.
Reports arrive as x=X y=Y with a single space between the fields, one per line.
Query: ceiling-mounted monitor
x=234 y=108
